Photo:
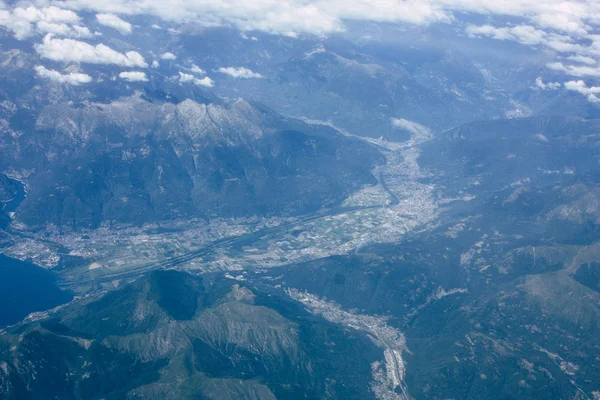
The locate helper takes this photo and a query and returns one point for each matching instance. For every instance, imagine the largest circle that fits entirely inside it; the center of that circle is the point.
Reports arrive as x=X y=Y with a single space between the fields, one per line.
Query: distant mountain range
x=384 y=211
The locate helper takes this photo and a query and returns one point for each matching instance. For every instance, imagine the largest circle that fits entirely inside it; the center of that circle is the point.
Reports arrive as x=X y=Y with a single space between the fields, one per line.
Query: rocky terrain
x=180 y=336
x=137 y=159
x=374 y=210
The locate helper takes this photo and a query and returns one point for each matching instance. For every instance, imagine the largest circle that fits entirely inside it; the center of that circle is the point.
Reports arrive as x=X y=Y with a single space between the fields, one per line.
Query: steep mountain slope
x=536 y=176
x=172 y=335
x=500 y=298
x=149 y=156
x=520 y=328
x=8 y=191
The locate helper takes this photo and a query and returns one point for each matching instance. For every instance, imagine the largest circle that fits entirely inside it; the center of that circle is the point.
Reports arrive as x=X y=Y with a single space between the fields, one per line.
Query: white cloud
x=50 y=27
x=26 y=22
x=197 y=70
x=561 y=21
x=591 y=92
x=582 y=48
x=281 y=17
x=527 y=35
x=241 y=72
x=566 y=27
x=539 y=84
x=113 y=21
x=293 y=17
x=20 y=28
x=155 y=64
x=575 y=70
x=581 y=87
x=134 y=76
x=582 y=60
x=81 y=32
x=56 y=14
x=70 y=50
x=245 y=37
x=411 y=126
x=72 y=31
x=168 y=56
x=188 y=78
x=523 y=34
x=72 y=78
x=48 y=14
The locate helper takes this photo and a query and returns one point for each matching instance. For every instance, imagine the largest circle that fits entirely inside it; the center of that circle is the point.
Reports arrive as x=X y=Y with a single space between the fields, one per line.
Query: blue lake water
x=26 y=288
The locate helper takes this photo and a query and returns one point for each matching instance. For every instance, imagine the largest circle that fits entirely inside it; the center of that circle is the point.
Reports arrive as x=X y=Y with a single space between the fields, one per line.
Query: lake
x=26 y=288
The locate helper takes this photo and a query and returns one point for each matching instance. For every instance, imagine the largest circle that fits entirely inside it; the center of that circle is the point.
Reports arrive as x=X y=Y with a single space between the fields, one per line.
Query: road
x=394 y=200
x=181 y=259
